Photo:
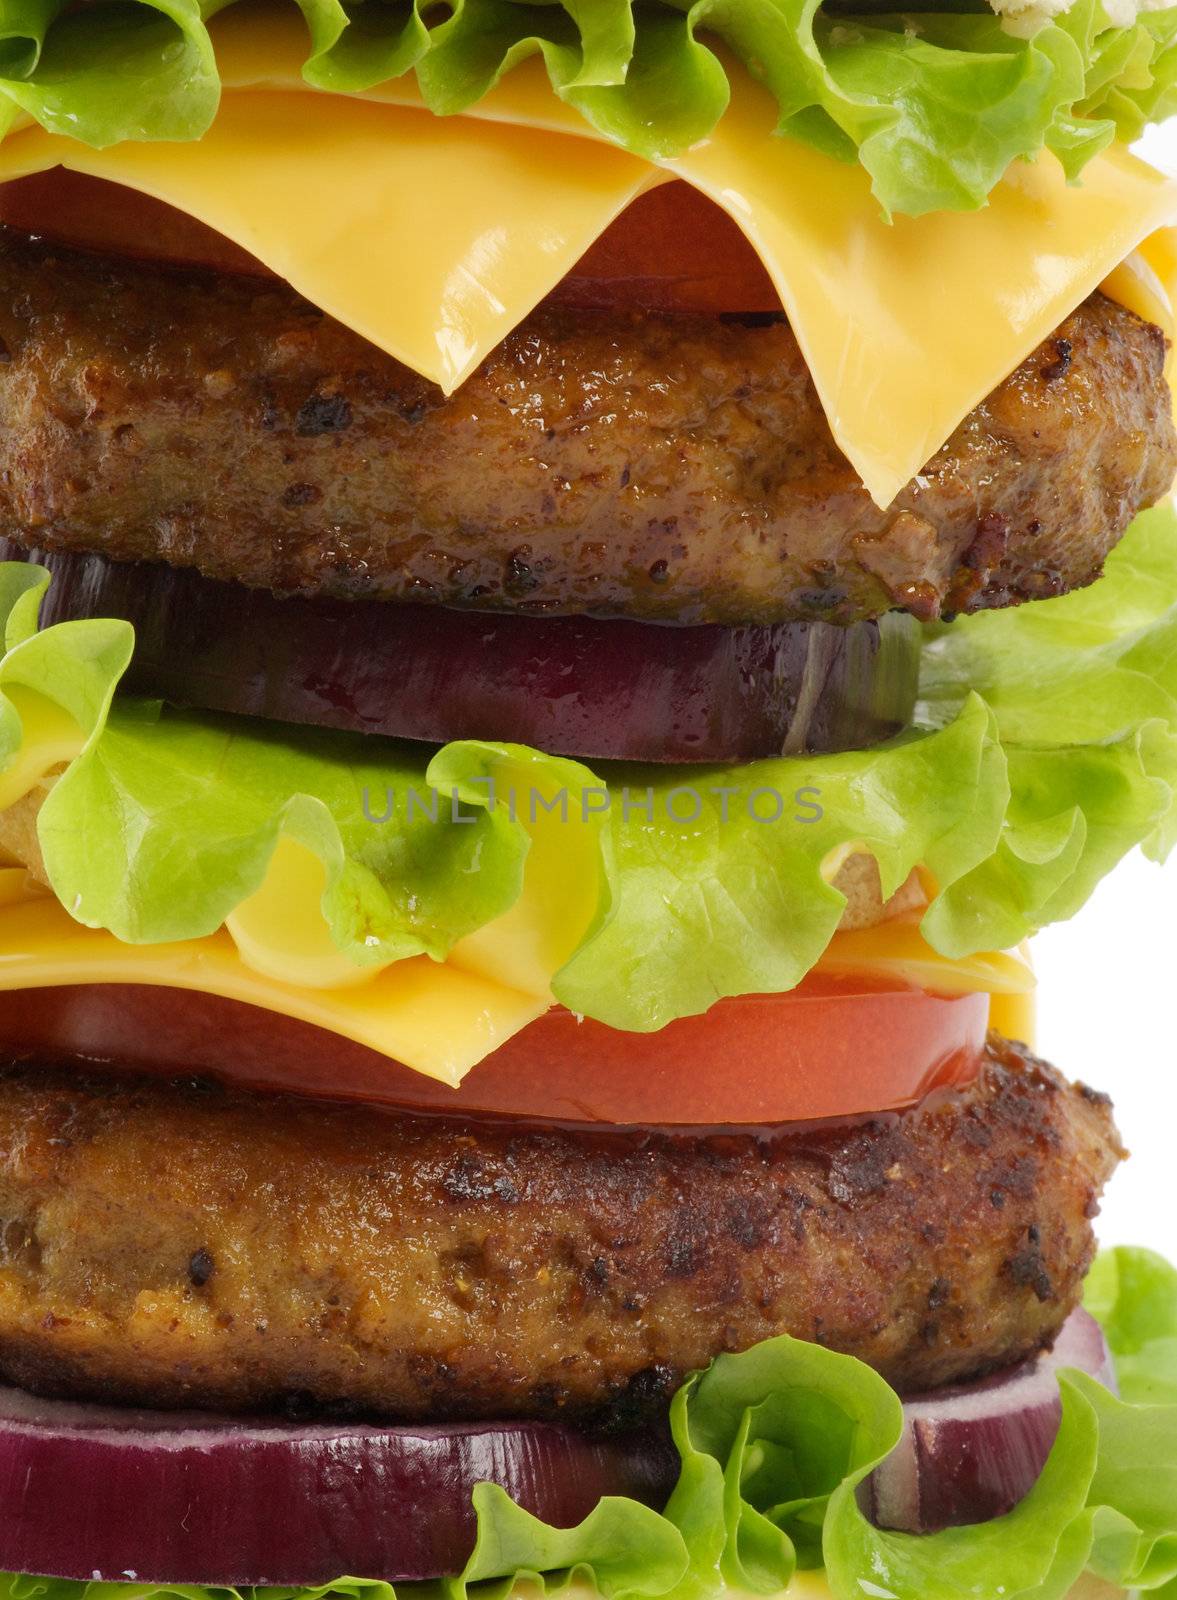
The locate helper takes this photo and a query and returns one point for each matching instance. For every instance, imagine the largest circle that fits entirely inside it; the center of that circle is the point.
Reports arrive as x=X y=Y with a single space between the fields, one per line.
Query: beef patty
x=181 y=1245
x=677 y=468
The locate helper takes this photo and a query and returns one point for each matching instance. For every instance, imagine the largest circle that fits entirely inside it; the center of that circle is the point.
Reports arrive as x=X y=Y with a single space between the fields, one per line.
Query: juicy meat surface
x=181 y=1245
x=672 y=467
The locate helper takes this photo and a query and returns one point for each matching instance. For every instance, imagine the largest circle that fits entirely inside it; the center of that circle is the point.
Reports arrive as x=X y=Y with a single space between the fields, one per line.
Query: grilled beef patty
x=186 y=1245
x=671 y=467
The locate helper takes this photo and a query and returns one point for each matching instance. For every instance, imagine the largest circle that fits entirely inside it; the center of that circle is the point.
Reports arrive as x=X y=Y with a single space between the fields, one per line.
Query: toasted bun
x=858 y=879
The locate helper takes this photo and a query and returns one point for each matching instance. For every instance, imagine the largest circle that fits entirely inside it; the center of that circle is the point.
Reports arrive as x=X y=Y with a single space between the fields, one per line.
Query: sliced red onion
x=120 y=1495
x=153 y=1497
x=587 y=686
x=972 y=1452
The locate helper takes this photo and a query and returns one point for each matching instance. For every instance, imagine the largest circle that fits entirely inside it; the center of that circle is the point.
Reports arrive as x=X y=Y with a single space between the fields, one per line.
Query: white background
x=1107 y=1006
x=1107 y=1014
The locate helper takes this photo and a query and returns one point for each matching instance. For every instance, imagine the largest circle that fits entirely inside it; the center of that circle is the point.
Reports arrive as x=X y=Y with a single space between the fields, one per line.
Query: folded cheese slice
x=433 y=237
x=439 y=1018
x=432 y=1016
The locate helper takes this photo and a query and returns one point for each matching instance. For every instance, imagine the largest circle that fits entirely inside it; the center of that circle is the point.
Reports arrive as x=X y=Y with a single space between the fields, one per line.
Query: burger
x=577 y=580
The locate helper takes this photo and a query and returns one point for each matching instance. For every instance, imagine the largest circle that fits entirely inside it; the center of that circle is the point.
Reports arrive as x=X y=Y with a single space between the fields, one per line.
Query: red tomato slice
x=72 y=209
x=672 y=250
x=832 y=1048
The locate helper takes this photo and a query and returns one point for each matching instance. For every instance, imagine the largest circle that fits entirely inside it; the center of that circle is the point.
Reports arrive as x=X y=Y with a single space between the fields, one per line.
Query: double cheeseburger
x=577 y=579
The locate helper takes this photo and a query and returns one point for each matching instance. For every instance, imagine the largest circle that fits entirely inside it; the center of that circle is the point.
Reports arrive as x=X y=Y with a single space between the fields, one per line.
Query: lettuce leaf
x=1133 y=1293
x=934 y=105
x=1045 y=748
x=774 y=1443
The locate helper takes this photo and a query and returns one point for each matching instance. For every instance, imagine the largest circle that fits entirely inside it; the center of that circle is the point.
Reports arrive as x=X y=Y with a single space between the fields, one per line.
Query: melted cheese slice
x=433 y=237
x=897 y=950
x=1146 y=282
x=431 y=1016
x=275 y=950
x=439 y=1018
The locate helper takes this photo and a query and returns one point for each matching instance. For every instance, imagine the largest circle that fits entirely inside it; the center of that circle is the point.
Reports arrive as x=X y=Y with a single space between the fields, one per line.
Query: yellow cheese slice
x=906 y=328
x=429 y=236
x=280 y=930
x=562 y=889
x=1015 y=1016
x=275 y=951
x=1146 y=282
x=897 y=949
x=1138 y=284
x=51 y=739
x=433 y=1017
x=433 y=237
x=436 y=1017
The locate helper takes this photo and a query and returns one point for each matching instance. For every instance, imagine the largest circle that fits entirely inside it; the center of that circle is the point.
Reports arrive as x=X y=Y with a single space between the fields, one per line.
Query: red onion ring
x=117 y=1495
x=587 y=686
x=972 y=1452
x=121 y=1496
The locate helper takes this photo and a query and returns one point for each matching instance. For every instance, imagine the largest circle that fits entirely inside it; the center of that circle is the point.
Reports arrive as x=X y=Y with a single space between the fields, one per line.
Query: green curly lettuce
x=773 y=1446
x=1045 y=748
x=934 y=104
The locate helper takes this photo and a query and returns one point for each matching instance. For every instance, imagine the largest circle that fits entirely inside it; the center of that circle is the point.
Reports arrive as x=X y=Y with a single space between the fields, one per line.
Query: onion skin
x=972 y=1452
x=158 y=1497
x=583 y=686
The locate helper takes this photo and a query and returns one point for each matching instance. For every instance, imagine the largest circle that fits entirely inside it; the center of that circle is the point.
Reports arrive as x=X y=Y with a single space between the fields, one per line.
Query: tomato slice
x=835 y=1047
x=671 y=250
x=73 y=209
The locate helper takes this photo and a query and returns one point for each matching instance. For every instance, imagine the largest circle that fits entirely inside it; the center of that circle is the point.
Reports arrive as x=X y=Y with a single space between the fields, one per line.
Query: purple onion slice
x=972 y=1452
x=584 y=686
x=121 y=1495
x=116 y=1495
